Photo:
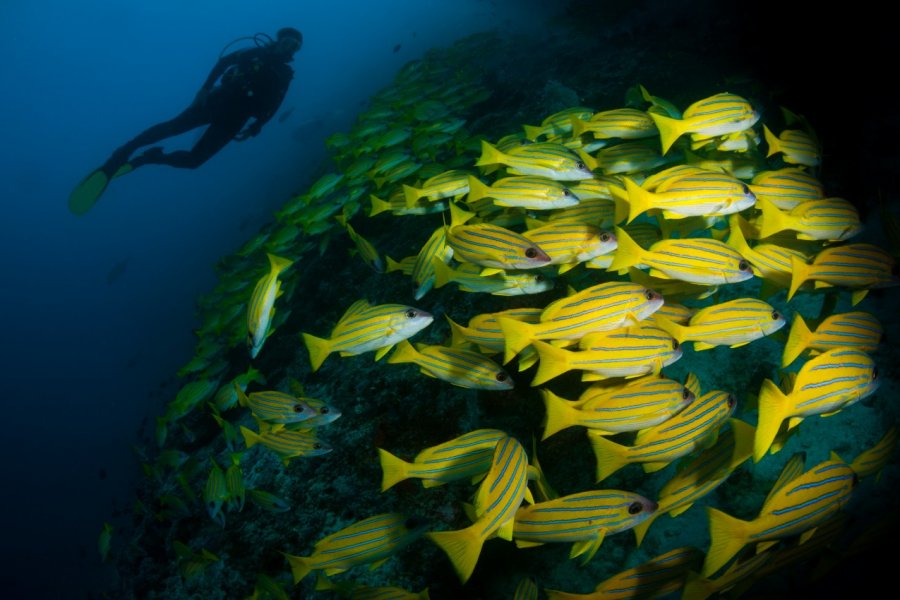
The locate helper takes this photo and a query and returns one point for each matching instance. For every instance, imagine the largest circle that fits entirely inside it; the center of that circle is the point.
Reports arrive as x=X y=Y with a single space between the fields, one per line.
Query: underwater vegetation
x=577 y=347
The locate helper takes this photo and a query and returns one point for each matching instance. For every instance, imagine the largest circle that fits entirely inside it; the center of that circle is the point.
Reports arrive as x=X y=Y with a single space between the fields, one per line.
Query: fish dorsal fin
x=792 y=468
x=355 y=308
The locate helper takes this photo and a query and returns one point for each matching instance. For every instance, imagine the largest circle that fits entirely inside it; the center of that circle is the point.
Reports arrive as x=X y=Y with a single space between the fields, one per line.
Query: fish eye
x=685 y=394
x=298 y=408
x=775 y=315
x=730 y=400
x=604 y=237
x=410 y=313
x=650 y=295
x=674 y=344
x=538 y=278
x=874 y=373
x=580 y=165
x=635 y=507
x=567 y=192
x=317 y=446
x=501 y=376
x=745 y=189
x=324 y=410
x=530 y=253
x=744 y=265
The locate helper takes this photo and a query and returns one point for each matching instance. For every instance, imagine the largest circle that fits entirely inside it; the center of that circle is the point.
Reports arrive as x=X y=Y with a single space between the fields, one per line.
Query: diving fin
x=86 y=193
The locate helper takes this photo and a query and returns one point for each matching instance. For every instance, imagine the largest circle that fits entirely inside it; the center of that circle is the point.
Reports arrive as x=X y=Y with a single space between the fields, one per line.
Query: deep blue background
x=83 y=357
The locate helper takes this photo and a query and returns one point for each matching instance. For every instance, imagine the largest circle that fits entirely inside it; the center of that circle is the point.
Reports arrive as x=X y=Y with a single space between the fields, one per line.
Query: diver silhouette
x=246 y=84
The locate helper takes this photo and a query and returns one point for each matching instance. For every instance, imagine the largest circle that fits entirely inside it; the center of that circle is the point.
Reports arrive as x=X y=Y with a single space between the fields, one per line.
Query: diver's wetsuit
x=253 y=84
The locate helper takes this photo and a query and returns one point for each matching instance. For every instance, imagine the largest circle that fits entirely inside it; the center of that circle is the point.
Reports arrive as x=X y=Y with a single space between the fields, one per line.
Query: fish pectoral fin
x=699 y=346
x=526 y=544
x=739 y=344
x=378 y=563
x=506 y=530
x=804 y=537
x=379 y=354
x=488 y=271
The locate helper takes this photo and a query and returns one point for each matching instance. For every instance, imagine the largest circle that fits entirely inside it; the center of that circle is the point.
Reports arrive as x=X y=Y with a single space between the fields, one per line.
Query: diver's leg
x=191 y=118
x=213 y=139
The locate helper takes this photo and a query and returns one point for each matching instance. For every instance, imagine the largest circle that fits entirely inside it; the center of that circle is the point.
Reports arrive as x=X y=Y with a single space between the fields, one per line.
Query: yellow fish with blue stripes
x=704 y=261
x=499 y=496
x=632 y=406
x=465 y=457
x=856 y=330
x=716 y=115
x=371 y=541
x=602 y=307
x=261 y=307
x=463 y=368
x=367 y=328
x=546 y=159
x=694 y=427
x=824 y=385
x=796 y=508
x=584 y=519
x=734 y=323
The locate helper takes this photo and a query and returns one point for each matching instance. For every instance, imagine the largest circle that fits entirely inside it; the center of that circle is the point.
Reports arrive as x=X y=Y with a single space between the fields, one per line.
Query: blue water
x=90 y=349
x=100 y=309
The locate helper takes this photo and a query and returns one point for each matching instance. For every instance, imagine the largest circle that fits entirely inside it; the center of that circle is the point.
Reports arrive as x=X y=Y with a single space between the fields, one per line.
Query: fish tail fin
x=727 y=536
x=800 y=272
x=639 y=199
x=278 y=263
x=773 y=405
x=773 y=220
x=532 y=132
x=378 y=205
x=443 y=274
x=679 y=332
x=579 y=126
x=393 y=469
x=300 y=566
x=628 y=253
x=669 y=129
x=457 y=333
x=403 y=353
x=490 y=155
x=477 y=190
x=772 y=140
x=516 y=336
x=411 y=195
x=553 y=362
x=610 y=456
x=559 y=414
x=251 y=438
x=392 y=265
x=319 y=349
x=798 y=340
x=243 y=400
x=463 y=547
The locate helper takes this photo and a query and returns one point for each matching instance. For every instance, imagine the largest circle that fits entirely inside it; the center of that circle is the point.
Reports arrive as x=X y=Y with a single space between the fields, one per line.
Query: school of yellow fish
x=636 y=230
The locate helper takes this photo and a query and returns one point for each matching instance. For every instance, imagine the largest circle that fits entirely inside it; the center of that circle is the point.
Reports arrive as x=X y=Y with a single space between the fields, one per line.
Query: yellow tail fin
x=300 y=566
x=798 y=340
x=800 y=272
x=516 y=336
x=610 y=456
x=669 y=129
x=727 y=536
x=773 y=409
x=628 y=253
x=394 y=469
x=463 y=547
x=560 y=414
x=318 y=348
x=553 y=362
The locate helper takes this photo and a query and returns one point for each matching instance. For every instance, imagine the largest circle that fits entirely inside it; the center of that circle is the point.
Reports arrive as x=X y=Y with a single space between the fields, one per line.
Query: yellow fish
x=710 y=117
x=795 y=507
x=261 y=308
x=824 y=385
x=367 y=328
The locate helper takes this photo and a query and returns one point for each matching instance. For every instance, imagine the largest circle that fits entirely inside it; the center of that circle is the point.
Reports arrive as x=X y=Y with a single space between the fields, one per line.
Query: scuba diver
x=244 y=84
